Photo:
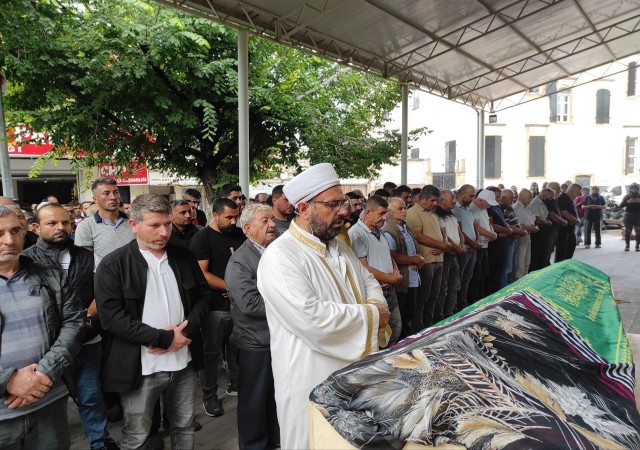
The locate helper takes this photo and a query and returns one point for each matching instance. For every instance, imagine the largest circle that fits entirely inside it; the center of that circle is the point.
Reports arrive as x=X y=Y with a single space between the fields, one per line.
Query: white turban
x=311 y=182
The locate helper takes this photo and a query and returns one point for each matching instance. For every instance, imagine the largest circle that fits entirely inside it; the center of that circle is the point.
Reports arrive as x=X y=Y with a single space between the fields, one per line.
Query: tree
x=128 y=80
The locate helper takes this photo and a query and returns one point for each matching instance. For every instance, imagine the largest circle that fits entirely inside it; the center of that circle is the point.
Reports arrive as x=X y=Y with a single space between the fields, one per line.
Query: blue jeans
x=178 y=392
x=45 y=428
x=510 y=249
x=91 y=406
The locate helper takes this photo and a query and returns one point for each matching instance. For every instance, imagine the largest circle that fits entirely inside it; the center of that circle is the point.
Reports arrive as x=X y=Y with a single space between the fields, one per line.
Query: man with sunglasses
x=324 y=309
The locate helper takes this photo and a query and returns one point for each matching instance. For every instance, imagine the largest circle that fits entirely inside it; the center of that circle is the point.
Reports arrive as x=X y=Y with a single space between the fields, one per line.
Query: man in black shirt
x=182 y=228
x=212 y=247
x=556 y=223
x=566 y=243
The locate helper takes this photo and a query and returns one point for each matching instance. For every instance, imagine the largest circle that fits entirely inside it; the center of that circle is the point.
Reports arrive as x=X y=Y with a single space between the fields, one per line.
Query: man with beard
x=54 y=248
x=182 y=229
x=41 y=333
x=108 y=229
x=152 y=299
x=566 y=243
x=466 y=261
x=212 y=247
x=257 y=417
x=324 y=308
x=282 y=209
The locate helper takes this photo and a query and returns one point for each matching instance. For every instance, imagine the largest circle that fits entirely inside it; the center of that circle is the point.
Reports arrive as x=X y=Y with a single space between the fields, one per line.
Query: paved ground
x=622 y=267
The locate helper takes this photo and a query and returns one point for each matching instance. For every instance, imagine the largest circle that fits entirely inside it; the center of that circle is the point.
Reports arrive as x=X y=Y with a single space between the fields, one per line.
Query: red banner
x=136 y=175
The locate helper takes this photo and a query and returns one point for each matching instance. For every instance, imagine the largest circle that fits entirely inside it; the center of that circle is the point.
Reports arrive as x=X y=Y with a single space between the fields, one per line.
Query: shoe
x=626 y=248
x=212 y=406
x=597 y=246
x=232 y=390
x=114 y=414
x=587 y=246
x=154 y=442
x=197 y=426
x=638 y=248
x=109 y=444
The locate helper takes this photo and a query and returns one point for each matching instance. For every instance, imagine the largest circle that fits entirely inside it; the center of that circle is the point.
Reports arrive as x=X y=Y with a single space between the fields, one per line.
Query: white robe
x=316 y=327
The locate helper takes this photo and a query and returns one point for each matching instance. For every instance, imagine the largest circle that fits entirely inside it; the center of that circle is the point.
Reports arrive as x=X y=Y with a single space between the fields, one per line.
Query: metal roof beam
x=479 y=28
x=530 y=63
x=593 y=27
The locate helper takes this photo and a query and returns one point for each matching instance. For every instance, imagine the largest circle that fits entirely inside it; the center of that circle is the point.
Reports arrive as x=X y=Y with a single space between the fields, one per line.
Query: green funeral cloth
x=582 y=295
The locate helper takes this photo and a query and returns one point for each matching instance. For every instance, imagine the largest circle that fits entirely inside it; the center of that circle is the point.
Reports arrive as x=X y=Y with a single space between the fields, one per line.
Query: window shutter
x=489 y=155
x=498 y=156
x=553 y=101
x=631 y=80
x=602 y=106
x=536 y=156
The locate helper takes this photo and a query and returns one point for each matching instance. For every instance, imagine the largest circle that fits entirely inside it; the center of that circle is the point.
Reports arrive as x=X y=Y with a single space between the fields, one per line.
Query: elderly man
x=432 y=243
x=566 y=242
x=527 y=221
x=450 y=285
x=324 y=308
x=257 y=419
x=152 y=300
x=404 y=251
x=41 y=333
x=372 y=250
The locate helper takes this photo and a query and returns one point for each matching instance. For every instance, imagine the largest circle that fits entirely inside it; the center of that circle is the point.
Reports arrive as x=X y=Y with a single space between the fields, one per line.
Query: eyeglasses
x=335 y=205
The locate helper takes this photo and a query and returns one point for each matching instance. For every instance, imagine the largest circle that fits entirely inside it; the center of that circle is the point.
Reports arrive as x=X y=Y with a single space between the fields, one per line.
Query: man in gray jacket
x=41 y=333
x=257 y=419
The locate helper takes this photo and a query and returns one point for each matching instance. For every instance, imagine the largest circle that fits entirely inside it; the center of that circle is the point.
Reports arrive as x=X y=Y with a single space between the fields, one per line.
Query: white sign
x=164 y=179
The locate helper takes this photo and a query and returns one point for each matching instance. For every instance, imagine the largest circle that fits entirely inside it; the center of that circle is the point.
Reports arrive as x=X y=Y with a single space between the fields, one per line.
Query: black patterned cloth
x=513 y=374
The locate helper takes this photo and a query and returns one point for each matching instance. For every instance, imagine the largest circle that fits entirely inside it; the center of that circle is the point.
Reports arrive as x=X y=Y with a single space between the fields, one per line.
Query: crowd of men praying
x=130 y=309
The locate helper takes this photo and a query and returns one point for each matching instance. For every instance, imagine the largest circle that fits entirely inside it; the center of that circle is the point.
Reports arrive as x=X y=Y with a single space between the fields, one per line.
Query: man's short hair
x=429 y=191
x=352 y=195
x=277 y=191
x=375 y=202
x=466 y=187
x=149 y=203
x=193 y=193
x=574 y=186
x=228 y=188
x=176 y=203
x=17 y=211
x=389 y=185
x=222 y=203
x=249 y=213
x=415 y=191
x=381 y=193
x=36 y=218
x=402 y=189
x=103 y=180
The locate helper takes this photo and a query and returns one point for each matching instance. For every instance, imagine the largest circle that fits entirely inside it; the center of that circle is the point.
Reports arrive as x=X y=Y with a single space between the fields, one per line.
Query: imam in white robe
x=316 y=302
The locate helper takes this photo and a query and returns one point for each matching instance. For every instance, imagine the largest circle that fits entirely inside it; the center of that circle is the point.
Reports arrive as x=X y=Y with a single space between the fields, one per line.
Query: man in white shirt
x=152 y=300
x=324 y=309
x=527 y=220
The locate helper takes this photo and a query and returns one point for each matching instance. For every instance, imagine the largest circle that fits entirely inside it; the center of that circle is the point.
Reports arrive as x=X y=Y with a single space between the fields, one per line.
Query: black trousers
x=481 y=270
x=497 y=261
x=566 y=243
x=407 y=305
x=257 y=418
x=592 y=224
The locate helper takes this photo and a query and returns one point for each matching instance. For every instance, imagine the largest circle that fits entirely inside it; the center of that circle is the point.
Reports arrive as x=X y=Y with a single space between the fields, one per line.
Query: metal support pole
x=480 y=158
x=5 y=167
x=405 y=134
x=243 y=110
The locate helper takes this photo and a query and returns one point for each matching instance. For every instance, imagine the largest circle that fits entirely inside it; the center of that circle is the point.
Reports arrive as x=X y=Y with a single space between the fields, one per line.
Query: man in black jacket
x=54 y=248
x=257 y=418
x=152 y=300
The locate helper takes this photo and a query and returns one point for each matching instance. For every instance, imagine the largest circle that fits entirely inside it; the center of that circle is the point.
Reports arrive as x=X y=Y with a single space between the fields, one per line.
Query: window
x=564 y=110
x=632 y=80
x=536 y=156
x=583 y=180
x=415 y=153
x=492 y=156
x=416 y=100
x=631 y=166
x=603 y=97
